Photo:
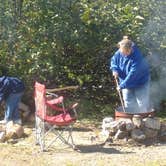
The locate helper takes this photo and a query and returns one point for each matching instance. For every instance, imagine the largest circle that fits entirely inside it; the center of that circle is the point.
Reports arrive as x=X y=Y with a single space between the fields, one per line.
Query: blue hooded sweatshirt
x=133 y=69
x=10 y=85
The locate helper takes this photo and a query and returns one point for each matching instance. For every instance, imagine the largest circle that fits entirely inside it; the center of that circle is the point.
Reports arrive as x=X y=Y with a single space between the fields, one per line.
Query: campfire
x=135 y=127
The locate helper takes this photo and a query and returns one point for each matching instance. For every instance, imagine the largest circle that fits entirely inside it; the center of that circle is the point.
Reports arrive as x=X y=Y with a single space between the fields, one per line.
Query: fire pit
x=119 y=113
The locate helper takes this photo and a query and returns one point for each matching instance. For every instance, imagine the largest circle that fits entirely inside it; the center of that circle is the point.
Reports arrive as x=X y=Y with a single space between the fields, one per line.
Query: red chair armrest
x=56 y=108
x=55 y=101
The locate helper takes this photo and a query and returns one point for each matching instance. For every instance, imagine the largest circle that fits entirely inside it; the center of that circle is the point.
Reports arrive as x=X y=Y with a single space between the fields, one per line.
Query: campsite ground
x=25 y=152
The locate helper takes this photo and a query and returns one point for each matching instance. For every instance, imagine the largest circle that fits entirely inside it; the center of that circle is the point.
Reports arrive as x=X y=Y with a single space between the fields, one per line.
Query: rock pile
x=136 y=128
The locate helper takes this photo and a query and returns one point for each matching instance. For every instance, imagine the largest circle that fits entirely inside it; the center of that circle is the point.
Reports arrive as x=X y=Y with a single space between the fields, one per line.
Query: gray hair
x=125 y=43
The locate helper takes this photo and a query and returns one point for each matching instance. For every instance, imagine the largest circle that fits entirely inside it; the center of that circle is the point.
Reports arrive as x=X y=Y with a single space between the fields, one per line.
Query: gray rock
x=162 y=137
x=110 y=126
x=121 y=134
x=163 y=128
x=122 y=126
x=137 y=135
x=129 y=126
x=152 y=123
x=107 y=120
x=150 y=133
x=127 y=120
x=137 y=121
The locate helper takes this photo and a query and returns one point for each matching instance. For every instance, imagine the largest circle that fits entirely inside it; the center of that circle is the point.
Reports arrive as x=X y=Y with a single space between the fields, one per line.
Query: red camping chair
x=62 y=121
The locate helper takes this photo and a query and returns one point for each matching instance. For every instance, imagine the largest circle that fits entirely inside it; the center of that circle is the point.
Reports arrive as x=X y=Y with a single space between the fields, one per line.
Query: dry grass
x=24 y=152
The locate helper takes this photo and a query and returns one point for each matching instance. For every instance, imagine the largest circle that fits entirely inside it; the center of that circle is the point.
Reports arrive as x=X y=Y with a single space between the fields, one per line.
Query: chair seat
x=59 y=120
x=50 y=110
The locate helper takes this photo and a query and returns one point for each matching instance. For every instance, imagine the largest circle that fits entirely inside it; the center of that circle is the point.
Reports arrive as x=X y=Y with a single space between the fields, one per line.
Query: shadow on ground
x=99 y=148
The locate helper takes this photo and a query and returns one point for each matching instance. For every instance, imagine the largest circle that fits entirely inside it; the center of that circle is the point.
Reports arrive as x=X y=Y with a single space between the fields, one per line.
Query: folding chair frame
x=43 y=127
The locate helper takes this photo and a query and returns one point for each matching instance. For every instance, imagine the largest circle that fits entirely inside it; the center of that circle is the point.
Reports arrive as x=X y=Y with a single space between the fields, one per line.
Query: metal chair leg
x=40 y=131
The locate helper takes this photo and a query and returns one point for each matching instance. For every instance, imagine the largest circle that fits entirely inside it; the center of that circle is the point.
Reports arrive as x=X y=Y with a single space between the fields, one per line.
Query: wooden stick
x=120 y=95
x=63 y=88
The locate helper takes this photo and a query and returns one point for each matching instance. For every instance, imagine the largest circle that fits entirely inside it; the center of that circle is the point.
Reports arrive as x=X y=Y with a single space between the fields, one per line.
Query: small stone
x=137 y=120
x=108 y=120
x=128 y=123
x=122 y=126
x=138 y=135
x=2 y=136
x=150 y=133
x=163 y=128
x=121 y=134
x=110 y=126
x=162 y=138
x=130 y=126
x=152 y=123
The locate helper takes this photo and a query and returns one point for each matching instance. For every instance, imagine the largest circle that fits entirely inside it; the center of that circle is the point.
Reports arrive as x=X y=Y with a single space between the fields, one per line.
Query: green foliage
x=70 y=42
x=162 y=112
x=93 y=110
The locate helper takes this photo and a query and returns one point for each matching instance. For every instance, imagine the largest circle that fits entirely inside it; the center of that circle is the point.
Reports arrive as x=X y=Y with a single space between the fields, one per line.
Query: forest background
x=62 y=43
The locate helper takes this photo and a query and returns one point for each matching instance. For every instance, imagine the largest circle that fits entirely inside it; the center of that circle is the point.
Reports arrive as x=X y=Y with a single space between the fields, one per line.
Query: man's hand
x=115 y=74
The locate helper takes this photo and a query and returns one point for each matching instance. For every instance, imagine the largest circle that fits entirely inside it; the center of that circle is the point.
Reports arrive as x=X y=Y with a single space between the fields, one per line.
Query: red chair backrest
x=40 y=100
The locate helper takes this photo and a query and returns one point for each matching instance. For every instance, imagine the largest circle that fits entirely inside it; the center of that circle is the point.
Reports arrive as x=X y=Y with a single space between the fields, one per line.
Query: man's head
x=125 y=46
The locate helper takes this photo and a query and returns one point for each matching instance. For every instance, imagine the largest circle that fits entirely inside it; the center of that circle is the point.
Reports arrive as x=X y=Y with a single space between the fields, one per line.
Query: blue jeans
x=12 y=104
x=136 y=100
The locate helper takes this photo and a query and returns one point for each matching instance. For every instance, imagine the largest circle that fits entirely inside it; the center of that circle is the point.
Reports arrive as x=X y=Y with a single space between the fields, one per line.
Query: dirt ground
x=24 y=152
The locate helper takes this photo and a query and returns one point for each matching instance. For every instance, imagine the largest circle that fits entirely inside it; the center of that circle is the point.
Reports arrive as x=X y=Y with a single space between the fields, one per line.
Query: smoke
x=154 y=36
x=158 y=78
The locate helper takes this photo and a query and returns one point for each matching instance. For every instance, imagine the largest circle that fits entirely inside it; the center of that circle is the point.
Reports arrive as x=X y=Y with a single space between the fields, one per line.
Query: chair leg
x=37 y=130
x=41 y=134
x=69 y=141
x=42 y=139
x=40 y=131
x=70 y=137
x=52 y=128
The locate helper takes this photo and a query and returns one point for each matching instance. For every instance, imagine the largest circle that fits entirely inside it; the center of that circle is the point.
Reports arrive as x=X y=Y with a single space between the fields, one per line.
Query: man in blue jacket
x=11 y=91
x=131 y=68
